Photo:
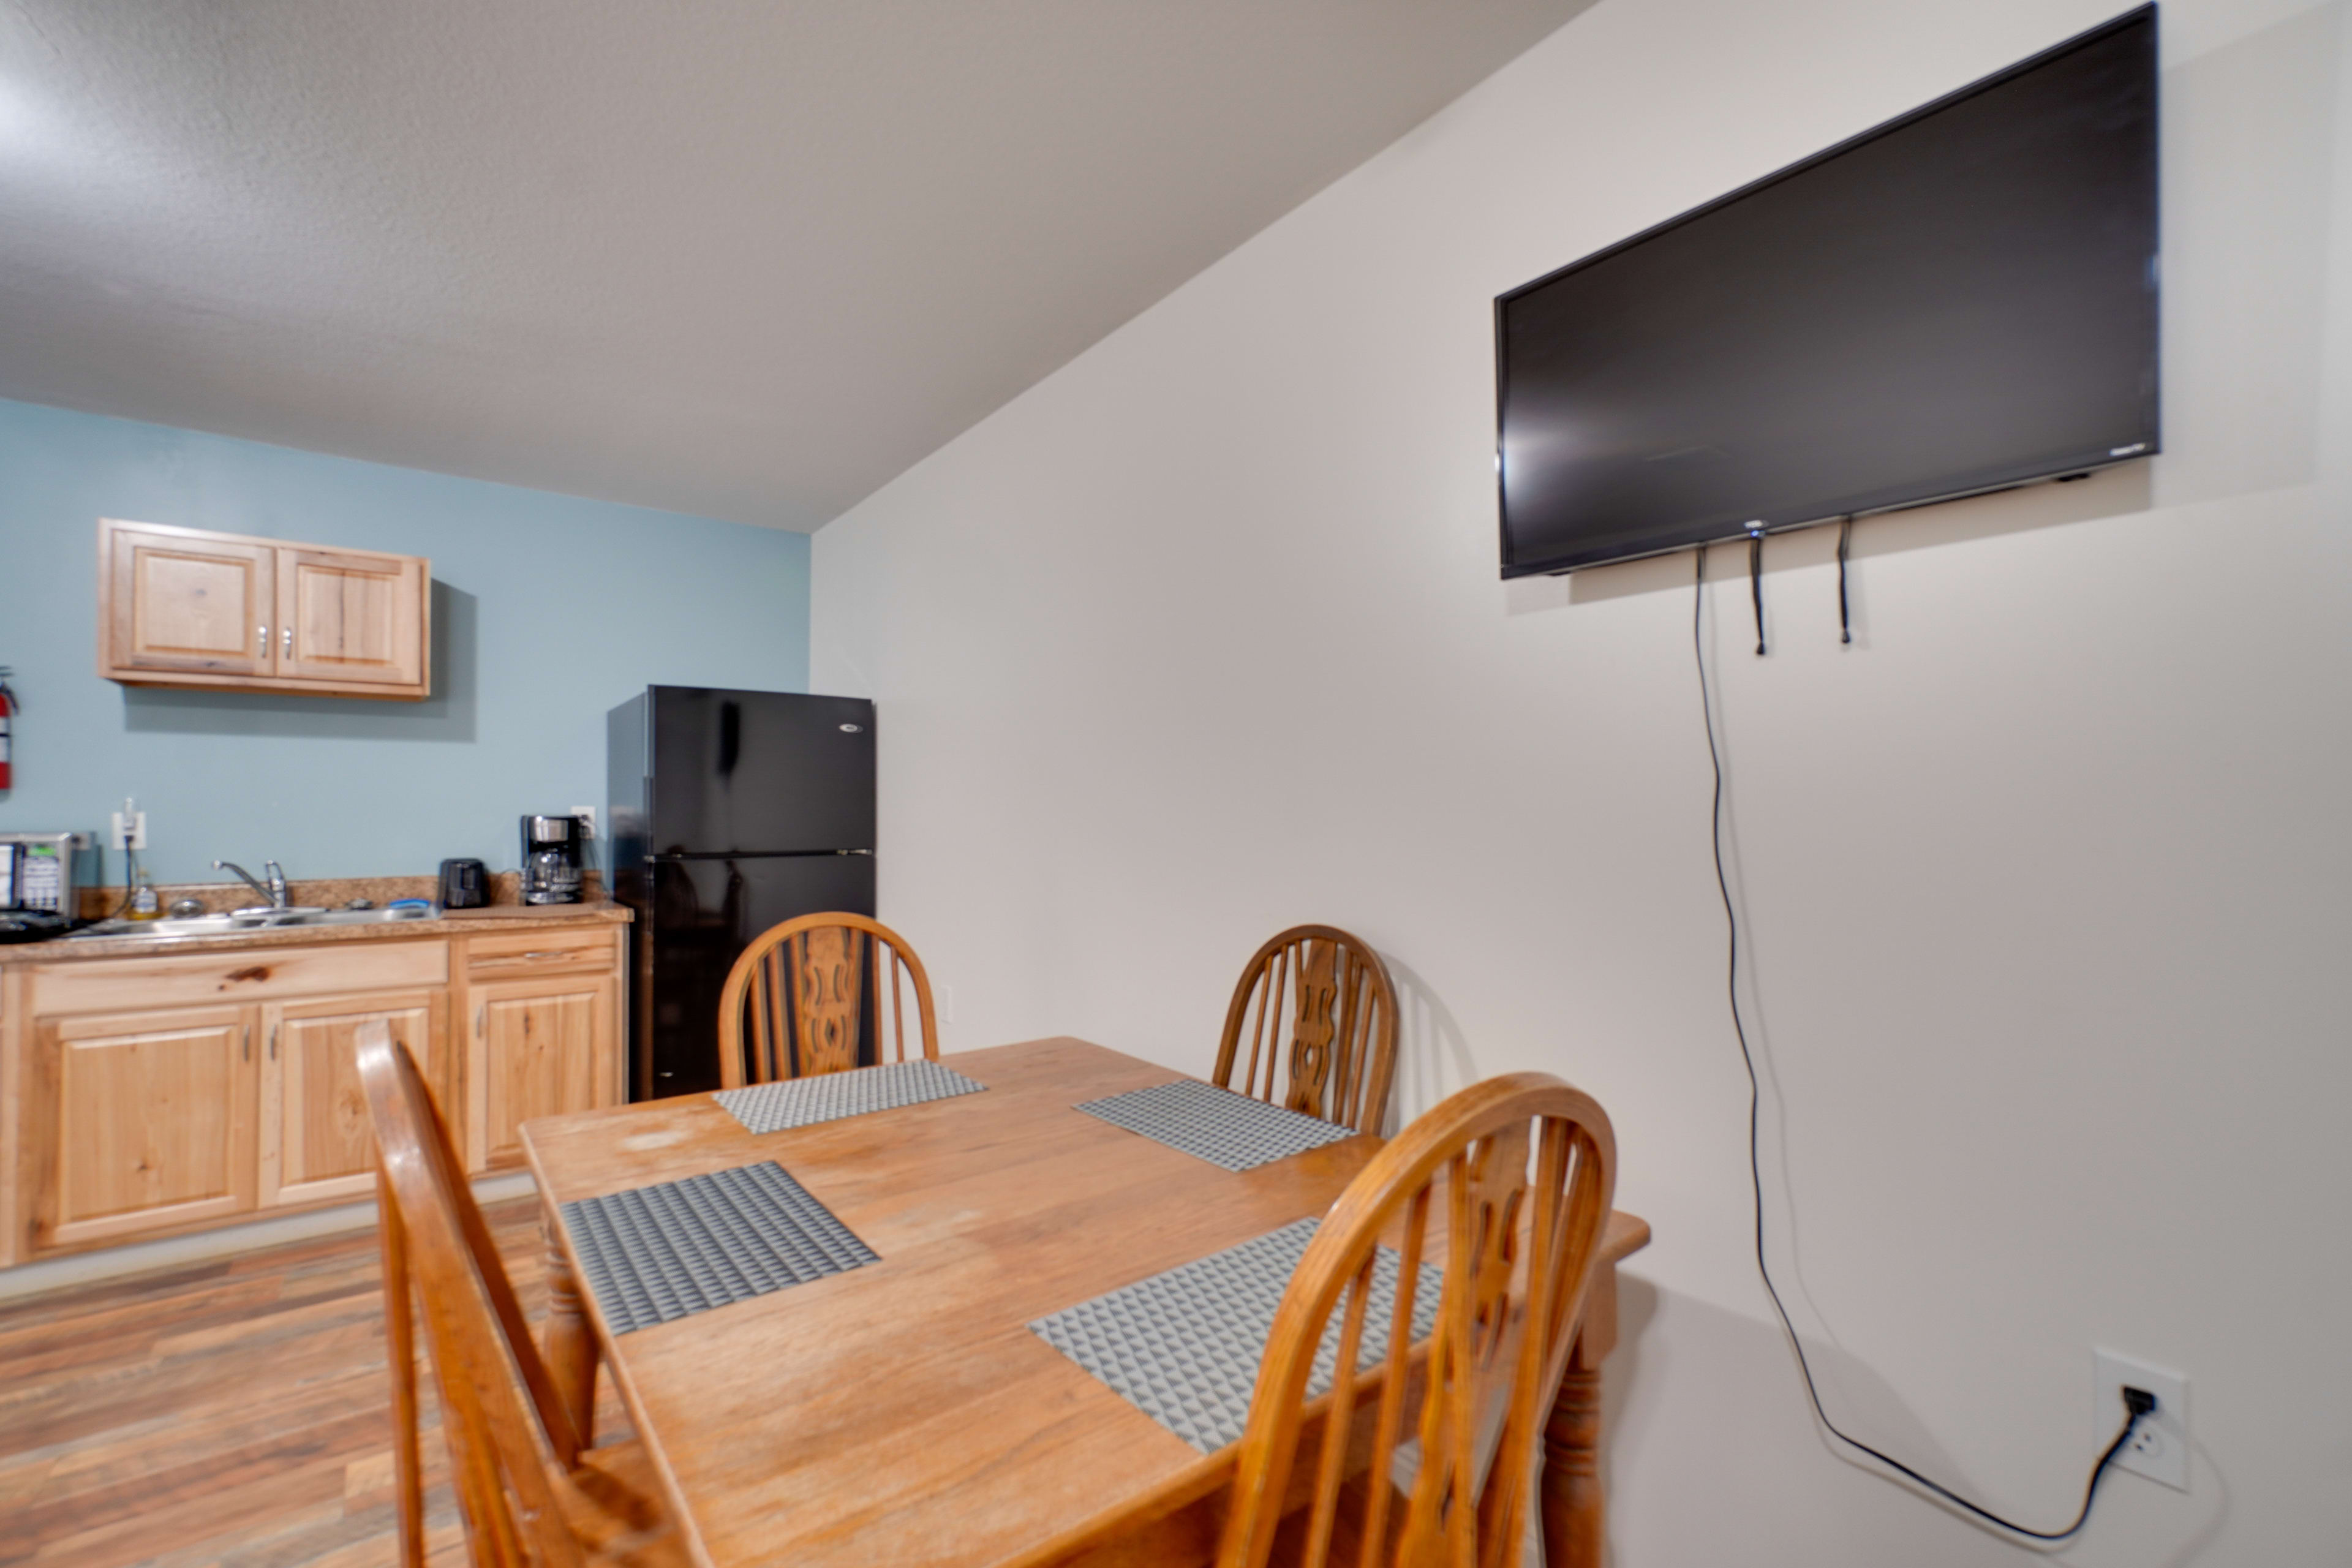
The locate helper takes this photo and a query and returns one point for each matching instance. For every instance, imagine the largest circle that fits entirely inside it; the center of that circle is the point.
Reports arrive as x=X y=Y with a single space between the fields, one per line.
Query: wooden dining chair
x=1333 y=993
x=532 y=1493
x=1506 y=1187
x=806 y=995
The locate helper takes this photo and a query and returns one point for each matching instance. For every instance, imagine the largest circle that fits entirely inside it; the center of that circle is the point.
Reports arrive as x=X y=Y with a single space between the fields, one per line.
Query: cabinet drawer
x=539 y=953
x=259 y=975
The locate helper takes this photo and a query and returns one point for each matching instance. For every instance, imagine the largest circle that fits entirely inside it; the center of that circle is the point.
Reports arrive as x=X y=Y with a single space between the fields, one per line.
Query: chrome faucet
x=274 y=890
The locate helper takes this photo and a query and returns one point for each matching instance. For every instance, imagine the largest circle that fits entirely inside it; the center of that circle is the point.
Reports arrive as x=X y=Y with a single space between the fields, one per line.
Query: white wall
x=2047 y=874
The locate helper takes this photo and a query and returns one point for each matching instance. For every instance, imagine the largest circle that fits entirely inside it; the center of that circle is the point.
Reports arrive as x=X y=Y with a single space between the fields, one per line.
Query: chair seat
x=1347 y=1529
x=614 y=1507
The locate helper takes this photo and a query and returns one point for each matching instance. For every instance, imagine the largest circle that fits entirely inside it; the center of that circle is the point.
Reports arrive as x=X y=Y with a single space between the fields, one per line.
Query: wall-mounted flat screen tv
x=1960 y=301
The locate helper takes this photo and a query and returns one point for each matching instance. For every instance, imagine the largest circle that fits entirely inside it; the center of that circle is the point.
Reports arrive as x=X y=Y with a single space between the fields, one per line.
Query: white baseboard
x=178 y=1251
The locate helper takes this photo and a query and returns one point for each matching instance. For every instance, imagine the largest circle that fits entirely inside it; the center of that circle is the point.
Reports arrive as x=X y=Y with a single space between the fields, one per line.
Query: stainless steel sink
x=253 y=922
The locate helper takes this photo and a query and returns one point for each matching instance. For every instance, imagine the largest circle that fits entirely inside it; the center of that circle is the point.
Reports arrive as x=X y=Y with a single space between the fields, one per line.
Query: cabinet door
x=537 y=1048
x=146 y=1120
x=315 y=1138
x=176 y=599
x=350 y=616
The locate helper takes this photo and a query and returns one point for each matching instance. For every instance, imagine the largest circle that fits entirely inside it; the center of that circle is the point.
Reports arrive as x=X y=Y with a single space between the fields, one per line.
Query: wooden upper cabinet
x=180 y=606
x=187 y=602
x=349 y=618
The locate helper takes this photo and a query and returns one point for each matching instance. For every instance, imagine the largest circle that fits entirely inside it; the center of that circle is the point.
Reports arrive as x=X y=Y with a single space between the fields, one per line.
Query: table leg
x=570 y=1344
x=1575 y=1529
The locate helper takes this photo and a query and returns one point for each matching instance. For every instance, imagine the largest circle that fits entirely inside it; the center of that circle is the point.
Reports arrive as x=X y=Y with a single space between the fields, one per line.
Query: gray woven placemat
x=829 y=1097
x=652 y=1254
x=1183 y=1347
x=1216 y=1124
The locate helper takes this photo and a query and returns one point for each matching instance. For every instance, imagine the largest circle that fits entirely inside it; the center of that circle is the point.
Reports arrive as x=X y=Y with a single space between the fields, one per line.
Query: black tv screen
x=1962 y=300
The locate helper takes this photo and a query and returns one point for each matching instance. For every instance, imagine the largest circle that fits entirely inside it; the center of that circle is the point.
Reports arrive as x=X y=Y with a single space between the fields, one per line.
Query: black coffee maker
x=550 y=859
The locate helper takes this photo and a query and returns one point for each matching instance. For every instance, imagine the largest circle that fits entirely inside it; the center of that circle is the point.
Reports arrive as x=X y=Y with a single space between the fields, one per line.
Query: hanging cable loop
x=1845 y=620
x=1756 y=579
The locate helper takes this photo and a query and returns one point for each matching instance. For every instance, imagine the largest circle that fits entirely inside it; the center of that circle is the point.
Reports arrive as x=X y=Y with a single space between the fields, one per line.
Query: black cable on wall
x=2138 y=1403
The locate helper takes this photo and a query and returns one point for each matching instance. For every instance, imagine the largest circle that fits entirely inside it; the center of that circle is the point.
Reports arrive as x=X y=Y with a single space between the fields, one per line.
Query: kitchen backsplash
x=330 y=892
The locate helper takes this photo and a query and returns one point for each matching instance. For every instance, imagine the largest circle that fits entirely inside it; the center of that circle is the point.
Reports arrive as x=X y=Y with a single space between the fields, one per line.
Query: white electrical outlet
x=130 y=828
x=587 y=815
x=946 y=998
x=2159 y=1448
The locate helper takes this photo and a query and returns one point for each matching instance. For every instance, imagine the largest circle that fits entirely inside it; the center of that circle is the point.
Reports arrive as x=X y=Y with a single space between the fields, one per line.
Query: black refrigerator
x=731 y=810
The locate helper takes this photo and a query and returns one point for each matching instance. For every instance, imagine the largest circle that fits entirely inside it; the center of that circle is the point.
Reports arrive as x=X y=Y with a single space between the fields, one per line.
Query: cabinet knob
x=289 y=642
x=261 y=640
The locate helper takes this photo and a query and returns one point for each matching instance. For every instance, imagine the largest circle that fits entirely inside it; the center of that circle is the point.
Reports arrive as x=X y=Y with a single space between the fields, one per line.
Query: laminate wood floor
x=235 y=1413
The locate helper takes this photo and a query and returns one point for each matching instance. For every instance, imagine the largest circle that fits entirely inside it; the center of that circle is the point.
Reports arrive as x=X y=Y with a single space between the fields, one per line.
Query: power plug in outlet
x=587 y=815
x=130 y=828
x=2159 y=1448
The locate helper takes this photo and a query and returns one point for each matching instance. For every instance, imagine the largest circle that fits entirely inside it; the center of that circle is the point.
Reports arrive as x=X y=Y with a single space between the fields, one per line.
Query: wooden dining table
x=902 y=1412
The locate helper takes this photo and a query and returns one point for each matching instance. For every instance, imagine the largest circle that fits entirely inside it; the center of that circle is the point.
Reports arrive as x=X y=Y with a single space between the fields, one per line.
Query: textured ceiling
x=749 y=260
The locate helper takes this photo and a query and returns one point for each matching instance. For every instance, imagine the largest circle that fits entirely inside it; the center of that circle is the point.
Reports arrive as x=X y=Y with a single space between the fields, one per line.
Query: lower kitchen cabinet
x=144 y=1121
x=315 y=1139
x=541 y=1046
x=159 y=1091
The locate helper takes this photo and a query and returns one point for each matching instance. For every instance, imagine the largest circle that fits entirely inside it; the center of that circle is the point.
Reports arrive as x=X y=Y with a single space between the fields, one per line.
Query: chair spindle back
x=1504 y=1188
x=511 y=1445
x=1333 y=994
x=806 y=997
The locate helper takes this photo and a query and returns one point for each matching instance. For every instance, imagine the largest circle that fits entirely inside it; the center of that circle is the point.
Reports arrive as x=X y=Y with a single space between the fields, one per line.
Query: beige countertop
x=466 y=923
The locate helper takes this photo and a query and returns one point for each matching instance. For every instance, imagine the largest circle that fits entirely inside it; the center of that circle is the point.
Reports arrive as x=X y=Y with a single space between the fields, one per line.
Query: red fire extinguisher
x=8 y=710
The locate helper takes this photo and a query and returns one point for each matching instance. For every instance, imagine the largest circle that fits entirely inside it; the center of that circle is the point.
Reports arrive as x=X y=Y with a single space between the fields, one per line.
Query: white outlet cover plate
x=587 y=815
x=2159 y=1449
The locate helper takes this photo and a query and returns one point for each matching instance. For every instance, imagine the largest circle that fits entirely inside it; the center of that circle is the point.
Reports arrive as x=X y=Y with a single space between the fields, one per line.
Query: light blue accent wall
x=547 y=609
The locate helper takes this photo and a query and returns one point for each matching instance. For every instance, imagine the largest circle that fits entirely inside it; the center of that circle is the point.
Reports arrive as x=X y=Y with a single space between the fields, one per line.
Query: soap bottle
x=146 y=903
